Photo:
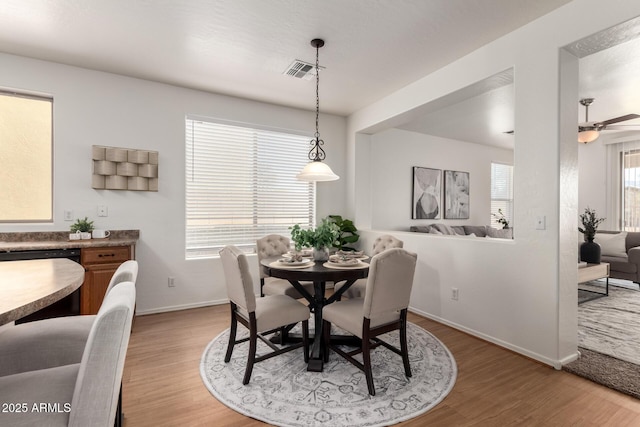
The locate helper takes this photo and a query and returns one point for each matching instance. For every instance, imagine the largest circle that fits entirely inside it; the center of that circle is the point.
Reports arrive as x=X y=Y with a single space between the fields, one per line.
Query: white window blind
x=501 y=192
x=631 y=190
x=241 y=185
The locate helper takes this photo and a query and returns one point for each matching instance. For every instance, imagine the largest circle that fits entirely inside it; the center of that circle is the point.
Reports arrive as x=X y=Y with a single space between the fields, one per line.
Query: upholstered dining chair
x=270 y=246
x=381 y=244
x=382 y=310
x=261 y=316
x=60 y=340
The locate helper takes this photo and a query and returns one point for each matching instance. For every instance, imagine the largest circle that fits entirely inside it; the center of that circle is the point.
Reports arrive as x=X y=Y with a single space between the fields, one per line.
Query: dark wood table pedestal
x=319 y=275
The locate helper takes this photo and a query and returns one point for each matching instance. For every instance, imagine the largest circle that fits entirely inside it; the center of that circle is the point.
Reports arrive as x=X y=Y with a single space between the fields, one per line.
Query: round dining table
x=29 y=285
x=318 y=272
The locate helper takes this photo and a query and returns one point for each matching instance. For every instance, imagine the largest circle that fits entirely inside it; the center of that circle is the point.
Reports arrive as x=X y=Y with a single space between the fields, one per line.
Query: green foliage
x=348 y=232
x=324 y=235
x=501 y=219
x=590 y=223
x=82 y=225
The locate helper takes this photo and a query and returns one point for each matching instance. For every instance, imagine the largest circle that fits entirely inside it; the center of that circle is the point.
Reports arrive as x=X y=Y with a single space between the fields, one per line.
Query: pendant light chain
x=317 y=90
x=316 y=170
x=317 y=153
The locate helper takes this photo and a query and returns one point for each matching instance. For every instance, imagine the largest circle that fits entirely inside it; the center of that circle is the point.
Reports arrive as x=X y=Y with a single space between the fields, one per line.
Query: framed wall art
x=456 y=195
x=427 y=185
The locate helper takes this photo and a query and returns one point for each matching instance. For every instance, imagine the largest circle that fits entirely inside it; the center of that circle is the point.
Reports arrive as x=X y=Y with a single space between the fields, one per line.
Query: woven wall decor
x=124 y=169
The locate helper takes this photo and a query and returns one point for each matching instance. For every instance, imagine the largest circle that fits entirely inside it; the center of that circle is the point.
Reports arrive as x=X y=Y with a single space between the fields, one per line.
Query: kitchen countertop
x=27 y=241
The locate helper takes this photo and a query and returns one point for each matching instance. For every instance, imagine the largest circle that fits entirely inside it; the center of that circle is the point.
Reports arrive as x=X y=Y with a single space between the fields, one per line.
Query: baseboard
x=181 y=307
x=556 y=364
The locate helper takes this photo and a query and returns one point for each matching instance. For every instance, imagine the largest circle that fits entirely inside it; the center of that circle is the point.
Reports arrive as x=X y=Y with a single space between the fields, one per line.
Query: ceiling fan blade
x=617 y=120
x=622 y=127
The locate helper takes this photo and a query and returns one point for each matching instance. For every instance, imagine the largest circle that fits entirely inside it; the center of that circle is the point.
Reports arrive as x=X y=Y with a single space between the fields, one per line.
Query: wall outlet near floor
x=454 y=294
x=172 y=282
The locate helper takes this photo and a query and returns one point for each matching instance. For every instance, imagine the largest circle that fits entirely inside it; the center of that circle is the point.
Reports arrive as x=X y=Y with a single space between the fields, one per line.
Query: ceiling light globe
x=317 y=171
x=588 y=136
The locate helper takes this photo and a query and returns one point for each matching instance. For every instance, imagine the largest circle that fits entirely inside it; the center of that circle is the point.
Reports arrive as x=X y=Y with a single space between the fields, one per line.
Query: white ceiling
x=373 y=48
x=242 y=47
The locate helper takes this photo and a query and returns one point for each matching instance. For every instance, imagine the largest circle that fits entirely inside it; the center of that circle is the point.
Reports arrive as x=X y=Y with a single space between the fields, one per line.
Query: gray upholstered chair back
x=126 y=272
x=95 y=397
x=271 y=245
x=238 y=278
x=389 y=283
x=385 y=242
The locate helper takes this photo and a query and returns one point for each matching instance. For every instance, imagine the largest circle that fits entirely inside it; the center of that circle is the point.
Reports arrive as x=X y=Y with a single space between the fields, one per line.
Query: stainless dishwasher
x=67 y=306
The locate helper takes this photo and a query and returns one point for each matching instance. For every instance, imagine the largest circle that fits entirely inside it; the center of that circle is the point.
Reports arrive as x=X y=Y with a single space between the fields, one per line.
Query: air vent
x=301 y=70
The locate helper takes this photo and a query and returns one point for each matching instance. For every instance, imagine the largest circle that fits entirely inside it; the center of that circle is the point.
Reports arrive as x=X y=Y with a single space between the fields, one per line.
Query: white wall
x=393 y=176
x=522 y=293
x=105 y=109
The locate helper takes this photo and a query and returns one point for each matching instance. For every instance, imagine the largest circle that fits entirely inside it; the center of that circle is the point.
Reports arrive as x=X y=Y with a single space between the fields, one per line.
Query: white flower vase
x=321 y=254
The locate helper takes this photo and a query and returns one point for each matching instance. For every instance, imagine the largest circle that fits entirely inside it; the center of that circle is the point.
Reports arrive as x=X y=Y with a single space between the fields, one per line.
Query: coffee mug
x=101 y=234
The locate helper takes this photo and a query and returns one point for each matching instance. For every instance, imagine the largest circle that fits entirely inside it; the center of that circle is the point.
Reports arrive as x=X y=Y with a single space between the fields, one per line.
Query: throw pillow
x=612 y=244
x=505 y=233
x=478 y=230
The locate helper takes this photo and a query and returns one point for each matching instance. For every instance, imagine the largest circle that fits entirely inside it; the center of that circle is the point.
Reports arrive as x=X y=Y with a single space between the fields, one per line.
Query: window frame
x=260 y=199
x=508 y=200
x=51 y=154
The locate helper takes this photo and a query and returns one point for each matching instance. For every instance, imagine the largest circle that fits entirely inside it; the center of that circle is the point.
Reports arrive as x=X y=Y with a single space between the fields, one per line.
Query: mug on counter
x=101 y=234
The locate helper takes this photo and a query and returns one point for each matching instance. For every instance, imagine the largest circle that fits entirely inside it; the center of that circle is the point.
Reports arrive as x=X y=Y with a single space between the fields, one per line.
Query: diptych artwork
x=427 y=184
x=456 y=195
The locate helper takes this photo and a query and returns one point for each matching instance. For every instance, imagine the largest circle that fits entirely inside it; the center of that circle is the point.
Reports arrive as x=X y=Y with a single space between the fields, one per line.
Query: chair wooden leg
x=251 y=357
x=403 y=343
x=305 y=340
x=326 y=339
x=232 y=334
x=366 y=357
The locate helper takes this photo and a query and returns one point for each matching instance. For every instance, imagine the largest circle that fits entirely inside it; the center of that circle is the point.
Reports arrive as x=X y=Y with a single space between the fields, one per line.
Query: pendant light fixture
x=587 y=133
x=316 y=170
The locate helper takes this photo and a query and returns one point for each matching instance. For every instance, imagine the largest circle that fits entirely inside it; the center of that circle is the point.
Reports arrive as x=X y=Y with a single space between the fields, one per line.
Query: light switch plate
x=102 y=211
x=541 y=222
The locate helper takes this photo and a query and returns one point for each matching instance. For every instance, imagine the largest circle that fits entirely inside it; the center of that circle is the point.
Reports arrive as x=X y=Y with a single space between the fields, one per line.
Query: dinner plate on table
x=285 y=263
x=354 y=263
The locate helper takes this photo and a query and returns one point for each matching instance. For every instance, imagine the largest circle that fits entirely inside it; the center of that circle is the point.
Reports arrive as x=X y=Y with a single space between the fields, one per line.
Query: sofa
x=464 y=230
x=621 y=249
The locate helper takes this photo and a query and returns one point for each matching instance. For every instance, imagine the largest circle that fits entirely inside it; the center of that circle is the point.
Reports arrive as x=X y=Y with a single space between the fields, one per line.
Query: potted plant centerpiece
x=348 y=232
x=84 y=227
x=321 y=239
x=501 y=219
x=589 y=250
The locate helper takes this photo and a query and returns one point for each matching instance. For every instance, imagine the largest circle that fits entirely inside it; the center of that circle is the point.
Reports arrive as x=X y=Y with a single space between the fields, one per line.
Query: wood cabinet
x=99 y=263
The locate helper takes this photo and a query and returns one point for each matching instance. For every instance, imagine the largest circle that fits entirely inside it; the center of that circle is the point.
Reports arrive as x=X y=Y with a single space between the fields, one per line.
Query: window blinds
x=501 y=192
x=241 y=185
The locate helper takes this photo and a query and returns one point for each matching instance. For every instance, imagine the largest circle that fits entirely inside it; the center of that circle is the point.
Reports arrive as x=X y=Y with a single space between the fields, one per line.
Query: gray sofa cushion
x=505 y=233
x=478 y=230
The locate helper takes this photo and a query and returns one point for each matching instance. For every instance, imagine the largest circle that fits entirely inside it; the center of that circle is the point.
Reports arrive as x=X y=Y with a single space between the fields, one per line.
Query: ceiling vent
x=301 y=70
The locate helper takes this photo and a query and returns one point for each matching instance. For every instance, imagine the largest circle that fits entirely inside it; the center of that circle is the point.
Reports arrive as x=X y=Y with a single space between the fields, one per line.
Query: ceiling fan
x=590 y=131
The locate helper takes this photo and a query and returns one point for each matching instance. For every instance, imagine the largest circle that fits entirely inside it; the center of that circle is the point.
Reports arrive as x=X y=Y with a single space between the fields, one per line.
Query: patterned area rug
x=608 y=337
x=611 y=325
x=283 y=393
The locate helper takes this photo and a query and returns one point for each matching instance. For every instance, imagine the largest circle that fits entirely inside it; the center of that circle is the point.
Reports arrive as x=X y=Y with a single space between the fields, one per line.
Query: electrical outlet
x=103 y=211
x=172 y=282
x=454 y=294
x=68 y=215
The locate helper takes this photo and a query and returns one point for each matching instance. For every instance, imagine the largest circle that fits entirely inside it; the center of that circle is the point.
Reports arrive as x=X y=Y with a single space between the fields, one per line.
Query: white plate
x=288 y=261
x=330 y=264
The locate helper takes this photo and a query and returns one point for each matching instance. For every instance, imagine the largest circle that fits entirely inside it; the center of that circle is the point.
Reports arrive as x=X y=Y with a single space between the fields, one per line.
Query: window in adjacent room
x=631 y=190
x=241 y=185
x=26 y=158
x=501 y=193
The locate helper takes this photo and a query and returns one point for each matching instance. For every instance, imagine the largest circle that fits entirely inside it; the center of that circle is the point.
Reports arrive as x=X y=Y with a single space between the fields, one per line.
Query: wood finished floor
x=495 y=387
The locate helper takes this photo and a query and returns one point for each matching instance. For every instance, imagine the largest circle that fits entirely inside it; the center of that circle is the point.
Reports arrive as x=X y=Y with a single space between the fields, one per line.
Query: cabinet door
x=95 y=285
x=100 y=264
